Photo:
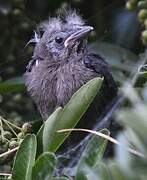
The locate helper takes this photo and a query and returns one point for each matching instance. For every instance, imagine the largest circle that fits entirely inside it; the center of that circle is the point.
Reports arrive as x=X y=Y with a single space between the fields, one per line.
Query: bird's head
x=63 y=40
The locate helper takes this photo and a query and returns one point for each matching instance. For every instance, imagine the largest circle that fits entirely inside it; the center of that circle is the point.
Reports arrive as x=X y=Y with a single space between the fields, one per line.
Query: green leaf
x=44 y=166
x=40 y=133
x=25 y=159
x=82 y=175
x=50 y=129
x=92 y=154
x=12 y=85
x=69 y=116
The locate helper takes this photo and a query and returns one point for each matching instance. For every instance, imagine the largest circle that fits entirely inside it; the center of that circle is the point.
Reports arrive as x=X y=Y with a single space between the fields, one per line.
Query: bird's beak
x=78 y=35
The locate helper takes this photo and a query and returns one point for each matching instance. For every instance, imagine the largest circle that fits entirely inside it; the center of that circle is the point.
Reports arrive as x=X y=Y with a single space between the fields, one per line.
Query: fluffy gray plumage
x=62 y=63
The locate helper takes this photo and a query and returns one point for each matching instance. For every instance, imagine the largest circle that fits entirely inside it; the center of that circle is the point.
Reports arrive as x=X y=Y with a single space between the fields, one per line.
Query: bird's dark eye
x=59 y=40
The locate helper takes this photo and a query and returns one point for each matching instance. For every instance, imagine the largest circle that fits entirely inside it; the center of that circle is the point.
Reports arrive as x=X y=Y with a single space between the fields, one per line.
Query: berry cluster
x=12 y=135
x=141 y=5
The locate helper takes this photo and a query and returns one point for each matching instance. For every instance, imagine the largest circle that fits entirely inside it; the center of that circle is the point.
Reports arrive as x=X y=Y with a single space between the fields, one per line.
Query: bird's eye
x=59 y=40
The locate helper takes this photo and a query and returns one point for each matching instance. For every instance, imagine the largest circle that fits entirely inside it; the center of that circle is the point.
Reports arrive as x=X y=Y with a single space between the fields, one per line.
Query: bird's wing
x=109 y=88
x=98 y=64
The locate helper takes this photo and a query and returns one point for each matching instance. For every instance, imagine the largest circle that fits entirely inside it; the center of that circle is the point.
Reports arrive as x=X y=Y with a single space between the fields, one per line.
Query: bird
x=61 y=63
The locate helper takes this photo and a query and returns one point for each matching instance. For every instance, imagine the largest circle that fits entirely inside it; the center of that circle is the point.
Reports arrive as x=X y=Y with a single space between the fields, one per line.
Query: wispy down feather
x=70 y=20
x=36 y=39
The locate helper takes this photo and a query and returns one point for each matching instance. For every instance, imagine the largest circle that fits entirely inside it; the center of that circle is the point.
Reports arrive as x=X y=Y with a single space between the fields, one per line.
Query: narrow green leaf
x=50 y=129
x=69 y=116
x=24 y=159
x=12 y=85
x=92 y=154
x=40 y=132
x=44 y=166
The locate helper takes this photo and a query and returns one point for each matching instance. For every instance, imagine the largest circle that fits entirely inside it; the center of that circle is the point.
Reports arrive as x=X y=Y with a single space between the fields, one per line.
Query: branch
x=106 y=137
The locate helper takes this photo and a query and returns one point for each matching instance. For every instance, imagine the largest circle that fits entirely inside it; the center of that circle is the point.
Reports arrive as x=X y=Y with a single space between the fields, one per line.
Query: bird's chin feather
x=36 y=39
x=37 y=63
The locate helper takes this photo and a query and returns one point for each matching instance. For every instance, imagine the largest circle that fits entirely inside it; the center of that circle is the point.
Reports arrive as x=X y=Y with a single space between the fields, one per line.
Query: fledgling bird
x=62 y=63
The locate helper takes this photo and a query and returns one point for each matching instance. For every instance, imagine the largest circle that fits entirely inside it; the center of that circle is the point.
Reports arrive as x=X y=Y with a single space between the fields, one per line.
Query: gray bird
x=62 y=63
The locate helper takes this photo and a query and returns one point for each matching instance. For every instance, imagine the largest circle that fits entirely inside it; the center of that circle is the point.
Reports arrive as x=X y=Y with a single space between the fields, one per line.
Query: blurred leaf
x=123 y=157
x=133 y=138
x=92 y=155
x=12 y=85
x=132 y=166
x=115 y=55
x=135 y=118
x=25 y=159
x=82 y=175
x=70 y=115
x=5 y=7
x=116 y=172
x=141 y=79
x=99 y=172
x=44 y=166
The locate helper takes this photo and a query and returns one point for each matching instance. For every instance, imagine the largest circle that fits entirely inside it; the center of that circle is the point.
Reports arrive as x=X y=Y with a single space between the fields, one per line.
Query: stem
x=10 y=128
x=9 y=152
x=1 y=127
x=106 y=137
x=5 y=174
x=7 y=122
x=6 y=139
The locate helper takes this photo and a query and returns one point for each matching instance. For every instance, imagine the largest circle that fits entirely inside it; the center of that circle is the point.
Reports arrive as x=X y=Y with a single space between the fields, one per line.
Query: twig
x=9 y=152
x=1 y=127
x=7 y=122
x=5 y=174
x=10 y=128
x=106 y=137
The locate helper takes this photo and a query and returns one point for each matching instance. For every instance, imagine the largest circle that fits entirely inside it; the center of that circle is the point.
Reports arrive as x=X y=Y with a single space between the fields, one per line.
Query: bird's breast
x=70 y=78
x=51 y=86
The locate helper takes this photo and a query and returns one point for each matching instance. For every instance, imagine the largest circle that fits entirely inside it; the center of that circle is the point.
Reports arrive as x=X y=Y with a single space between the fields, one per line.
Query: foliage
x=46 y=163
x=91 y=165
x=141 y=5
x=36 y=157
x=51 y=140
x=74 y=109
